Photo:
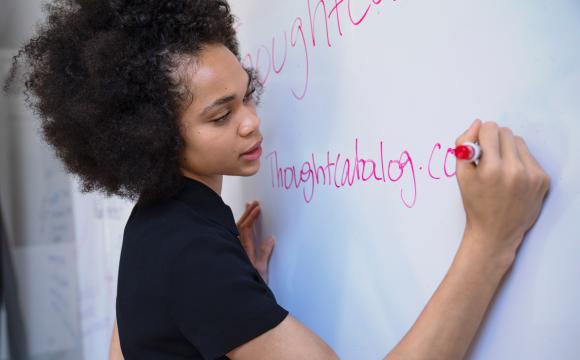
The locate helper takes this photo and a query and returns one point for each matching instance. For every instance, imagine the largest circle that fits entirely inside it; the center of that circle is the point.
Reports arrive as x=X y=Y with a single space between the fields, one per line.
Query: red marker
x=468 y=151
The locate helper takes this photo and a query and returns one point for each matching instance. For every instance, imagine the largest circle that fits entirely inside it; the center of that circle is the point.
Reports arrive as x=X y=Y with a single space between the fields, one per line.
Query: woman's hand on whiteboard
x=503 y=194
x=260 y=258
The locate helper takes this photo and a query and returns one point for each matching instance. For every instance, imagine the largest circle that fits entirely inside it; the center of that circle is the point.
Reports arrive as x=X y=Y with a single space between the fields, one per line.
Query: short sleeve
x=217 y=298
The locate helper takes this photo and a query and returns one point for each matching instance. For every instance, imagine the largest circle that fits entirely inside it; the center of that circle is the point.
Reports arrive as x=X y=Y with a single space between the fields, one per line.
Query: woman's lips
x=253 y=154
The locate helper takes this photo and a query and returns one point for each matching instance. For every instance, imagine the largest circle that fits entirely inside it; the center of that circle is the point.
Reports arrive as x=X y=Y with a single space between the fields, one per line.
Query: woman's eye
x=222 y=119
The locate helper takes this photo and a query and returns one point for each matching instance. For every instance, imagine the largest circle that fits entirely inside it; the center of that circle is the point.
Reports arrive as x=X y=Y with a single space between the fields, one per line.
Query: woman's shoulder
x=156 y=236
x=171 y=224
x=166 y=218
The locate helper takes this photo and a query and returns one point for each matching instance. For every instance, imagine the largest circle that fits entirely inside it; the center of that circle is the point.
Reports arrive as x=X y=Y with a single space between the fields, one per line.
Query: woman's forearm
x=449 y=321
x=115 y=347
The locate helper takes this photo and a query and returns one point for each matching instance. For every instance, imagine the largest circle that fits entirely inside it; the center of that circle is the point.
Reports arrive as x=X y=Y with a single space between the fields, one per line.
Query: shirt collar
x=208 y=204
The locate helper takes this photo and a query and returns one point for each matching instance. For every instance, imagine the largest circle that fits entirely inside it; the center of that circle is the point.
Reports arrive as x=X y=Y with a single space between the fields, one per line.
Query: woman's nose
x=250 y=123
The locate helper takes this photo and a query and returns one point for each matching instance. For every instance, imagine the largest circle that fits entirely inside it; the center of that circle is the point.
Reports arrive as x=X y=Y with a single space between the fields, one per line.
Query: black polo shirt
x=186 y=288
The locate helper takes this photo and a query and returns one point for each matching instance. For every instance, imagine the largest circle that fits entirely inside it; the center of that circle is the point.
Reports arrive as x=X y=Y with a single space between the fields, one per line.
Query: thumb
x=470 y=135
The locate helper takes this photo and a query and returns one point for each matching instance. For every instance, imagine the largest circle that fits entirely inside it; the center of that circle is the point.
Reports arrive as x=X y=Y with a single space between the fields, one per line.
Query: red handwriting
x=448 y=174
x=320 y=15
x=337 y=171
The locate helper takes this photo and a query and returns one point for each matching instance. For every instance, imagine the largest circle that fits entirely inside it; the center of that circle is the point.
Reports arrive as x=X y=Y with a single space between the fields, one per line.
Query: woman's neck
x=213 y=182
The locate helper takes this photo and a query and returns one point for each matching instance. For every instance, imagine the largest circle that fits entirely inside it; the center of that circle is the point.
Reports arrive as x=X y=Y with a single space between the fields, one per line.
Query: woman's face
x=220 y=126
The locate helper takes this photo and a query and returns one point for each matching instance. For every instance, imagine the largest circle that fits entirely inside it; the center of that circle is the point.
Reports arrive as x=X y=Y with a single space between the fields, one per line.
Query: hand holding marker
x=502 y=195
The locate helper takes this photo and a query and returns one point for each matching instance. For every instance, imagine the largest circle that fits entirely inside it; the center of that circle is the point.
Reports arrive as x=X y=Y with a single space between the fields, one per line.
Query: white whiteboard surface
x=357 y=263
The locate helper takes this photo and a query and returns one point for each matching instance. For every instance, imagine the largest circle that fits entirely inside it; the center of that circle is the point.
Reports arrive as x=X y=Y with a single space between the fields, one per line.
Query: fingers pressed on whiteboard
x=244 y=216
x=247 y=212
x=253 y=214
x=248 y=245
x=266 y=249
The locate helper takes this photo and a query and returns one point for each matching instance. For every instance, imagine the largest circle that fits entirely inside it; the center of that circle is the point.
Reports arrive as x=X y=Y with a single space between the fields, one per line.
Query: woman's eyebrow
x=225 y=99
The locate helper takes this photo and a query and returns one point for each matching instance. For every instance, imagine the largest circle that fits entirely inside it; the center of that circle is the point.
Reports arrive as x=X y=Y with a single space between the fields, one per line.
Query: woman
x=149 y=100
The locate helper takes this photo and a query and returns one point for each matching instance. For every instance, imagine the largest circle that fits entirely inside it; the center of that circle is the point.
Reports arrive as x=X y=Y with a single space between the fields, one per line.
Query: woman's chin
x=250 y=169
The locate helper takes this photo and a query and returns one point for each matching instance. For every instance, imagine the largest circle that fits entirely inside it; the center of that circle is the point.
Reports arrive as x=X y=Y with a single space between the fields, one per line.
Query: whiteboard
x=393 y=83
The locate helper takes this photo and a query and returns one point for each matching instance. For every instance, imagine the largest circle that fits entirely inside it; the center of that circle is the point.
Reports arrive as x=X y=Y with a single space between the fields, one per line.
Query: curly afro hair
x=102 y=78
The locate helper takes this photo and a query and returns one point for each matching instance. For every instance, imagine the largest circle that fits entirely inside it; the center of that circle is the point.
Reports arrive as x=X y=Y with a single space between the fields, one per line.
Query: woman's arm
x=115 y=347
x=449 y=321
x=502 y=197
